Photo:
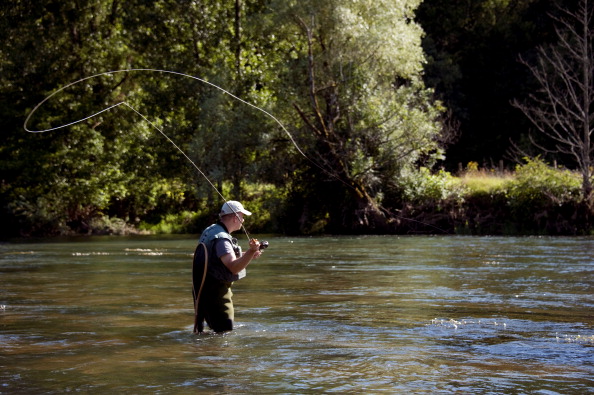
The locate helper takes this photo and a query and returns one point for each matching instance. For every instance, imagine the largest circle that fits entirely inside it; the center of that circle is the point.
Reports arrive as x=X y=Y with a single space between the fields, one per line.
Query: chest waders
x=211 y=282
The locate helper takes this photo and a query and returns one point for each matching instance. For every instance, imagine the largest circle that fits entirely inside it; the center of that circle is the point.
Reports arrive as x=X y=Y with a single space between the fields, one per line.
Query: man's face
x=239 y=220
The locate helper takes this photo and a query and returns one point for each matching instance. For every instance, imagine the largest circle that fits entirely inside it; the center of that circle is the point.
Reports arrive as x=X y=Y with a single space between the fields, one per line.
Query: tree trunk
x=368 y=216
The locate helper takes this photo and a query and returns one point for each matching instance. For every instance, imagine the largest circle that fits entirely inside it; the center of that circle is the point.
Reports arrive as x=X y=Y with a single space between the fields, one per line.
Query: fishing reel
x=263 y=245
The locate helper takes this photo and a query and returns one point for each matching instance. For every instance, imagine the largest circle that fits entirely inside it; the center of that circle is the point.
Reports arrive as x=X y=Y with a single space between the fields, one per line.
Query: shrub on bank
x=546 y=200
x=426 y=187
x=428 y=202
x=538 y=199
x=537 y=184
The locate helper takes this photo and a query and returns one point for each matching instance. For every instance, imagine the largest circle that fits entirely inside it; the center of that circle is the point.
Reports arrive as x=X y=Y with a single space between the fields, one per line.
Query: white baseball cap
x=232 y=207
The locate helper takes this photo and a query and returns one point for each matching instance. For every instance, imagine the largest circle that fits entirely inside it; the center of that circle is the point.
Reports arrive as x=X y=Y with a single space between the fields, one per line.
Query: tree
x=114 y=164
x=563 y=108
x=56 y=178
x=353 y=70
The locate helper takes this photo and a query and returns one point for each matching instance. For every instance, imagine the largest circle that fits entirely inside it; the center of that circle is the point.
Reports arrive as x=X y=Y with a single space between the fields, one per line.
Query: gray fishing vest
x=217 y=269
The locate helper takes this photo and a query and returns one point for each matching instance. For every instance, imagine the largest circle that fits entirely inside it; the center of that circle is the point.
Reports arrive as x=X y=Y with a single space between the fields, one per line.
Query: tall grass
x=486 y=181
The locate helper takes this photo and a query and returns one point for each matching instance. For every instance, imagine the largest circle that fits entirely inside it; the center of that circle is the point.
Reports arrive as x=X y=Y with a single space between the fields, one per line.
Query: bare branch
x=563 y=108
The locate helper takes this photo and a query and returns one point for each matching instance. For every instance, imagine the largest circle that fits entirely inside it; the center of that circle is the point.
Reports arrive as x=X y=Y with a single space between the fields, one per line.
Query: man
x=218 y=262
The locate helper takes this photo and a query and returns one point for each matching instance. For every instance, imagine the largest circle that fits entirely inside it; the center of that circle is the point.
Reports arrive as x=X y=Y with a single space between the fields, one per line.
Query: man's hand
x=254 y=245
x=255 y=248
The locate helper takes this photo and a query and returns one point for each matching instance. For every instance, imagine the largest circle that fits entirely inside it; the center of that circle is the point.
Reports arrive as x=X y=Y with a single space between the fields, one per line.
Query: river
x=377 y=314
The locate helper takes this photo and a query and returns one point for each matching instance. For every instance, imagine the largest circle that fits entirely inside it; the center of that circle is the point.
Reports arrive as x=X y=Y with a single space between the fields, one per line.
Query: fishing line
x=178 y=74
x=124 y=103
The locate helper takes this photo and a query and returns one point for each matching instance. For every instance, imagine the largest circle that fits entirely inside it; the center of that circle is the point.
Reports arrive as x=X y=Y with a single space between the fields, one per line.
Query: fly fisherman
x=224 y=262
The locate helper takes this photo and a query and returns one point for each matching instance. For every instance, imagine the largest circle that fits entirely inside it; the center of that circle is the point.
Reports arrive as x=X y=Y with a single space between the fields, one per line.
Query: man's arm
x=237 y=264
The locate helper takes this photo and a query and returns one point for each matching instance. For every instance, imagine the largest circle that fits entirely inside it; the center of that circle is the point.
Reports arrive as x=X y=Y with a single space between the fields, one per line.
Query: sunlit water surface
x=346 y=314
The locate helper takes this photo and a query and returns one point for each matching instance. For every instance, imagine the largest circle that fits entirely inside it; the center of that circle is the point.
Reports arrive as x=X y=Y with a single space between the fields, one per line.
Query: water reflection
x=328 y=314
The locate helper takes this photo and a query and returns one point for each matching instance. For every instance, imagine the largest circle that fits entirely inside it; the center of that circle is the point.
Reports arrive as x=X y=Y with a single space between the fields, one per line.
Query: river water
x=424 y=315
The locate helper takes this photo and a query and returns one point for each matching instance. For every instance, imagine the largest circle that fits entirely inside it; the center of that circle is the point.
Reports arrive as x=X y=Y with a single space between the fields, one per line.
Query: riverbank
x=535 y=199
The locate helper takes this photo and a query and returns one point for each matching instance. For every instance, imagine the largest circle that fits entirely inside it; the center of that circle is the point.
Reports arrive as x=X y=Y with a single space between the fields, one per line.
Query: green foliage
x=364 y=114
x=423 y=186
x=373 y=125
x=538 y=185
x=180 y=222
x=265 y=201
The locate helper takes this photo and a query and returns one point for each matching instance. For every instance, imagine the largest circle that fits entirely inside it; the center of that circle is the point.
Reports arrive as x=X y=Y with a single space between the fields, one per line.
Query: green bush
x=263 y=200
x=171 y=223
x=424 y=187
x=545 y=200
x=536 y=199
x=538 y=185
